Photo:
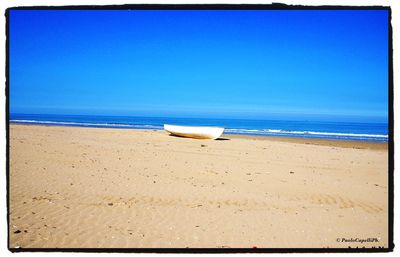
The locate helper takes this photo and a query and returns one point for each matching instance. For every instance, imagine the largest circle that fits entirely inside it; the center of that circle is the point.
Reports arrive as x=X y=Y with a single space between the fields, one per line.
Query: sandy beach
x=75 y=187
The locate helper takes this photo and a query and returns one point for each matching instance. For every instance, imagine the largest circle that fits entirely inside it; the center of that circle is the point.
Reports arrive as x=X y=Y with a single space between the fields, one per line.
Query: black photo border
x=274 y=6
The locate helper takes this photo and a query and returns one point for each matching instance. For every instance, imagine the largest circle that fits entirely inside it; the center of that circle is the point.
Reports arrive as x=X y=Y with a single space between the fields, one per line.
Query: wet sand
x=73 y=187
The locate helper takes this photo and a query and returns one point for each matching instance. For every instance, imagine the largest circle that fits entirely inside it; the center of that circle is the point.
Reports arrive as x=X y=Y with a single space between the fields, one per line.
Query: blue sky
x=235 y=64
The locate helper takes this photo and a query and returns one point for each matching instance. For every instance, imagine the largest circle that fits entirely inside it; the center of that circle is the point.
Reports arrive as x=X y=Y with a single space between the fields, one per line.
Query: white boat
x=194 y=132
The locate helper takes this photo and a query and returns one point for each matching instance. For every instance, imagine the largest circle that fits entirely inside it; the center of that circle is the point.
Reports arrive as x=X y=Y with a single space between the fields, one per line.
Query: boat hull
x=194 y=132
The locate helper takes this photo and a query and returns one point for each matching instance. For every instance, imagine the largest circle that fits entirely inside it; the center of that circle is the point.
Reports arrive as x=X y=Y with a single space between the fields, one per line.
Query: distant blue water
x=307 y=129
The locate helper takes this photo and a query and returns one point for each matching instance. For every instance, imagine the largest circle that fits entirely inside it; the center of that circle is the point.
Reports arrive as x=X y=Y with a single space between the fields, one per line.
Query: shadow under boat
x=220 y=138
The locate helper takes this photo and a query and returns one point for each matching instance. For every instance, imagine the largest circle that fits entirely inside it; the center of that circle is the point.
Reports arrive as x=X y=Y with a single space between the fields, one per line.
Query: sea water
x=364 y=131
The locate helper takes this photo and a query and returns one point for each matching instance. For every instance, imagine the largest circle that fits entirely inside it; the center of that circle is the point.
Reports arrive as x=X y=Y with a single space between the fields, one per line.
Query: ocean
x=288 y=128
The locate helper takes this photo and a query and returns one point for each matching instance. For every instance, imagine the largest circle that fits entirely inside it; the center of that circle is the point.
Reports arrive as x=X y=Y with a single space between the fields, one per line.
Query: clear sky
x=243 y=64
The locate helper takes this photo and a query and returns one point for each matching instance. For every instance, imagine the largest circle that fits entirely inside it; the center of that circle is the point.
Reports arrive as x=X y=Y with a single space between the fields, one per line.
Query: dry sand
x=88 y=187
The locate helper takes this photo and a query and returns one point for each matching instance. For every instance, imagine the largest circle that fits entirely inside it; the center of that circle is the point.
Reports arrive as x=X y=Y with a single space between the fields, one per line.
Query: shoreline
x=357 y=144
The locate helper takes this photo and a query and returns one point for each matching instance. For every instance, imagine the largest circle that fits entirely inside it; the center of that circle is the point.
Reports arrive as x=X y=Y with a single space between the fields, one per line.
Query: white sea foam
x=275 y=132
x=316 y=133
x=87 y=124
